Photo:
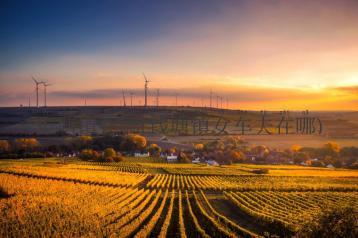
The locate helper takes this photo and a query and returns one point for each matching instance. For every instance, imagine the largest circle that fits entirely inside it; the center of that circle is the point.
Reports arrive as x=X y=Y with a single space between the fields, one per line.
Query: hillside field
x=184 y=125
x=144 y=198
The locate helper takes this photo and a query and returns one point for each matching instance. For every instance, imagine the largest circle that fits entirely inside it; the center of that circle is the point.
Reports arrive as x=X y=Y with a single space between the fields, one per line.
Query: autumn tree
x=86 y=141
x=109 y=152
x=89 y=154
x=134 y=142
x=26 y=144
x=4 y=146
x=215 y=145
x=232 y=142
x=331 y=149
x=261 y=151
x=154 y=150
x=296 y=148
x=172 y=150
x=300 y=157
x=199 y=147
x=236 y=156
x=183 y=157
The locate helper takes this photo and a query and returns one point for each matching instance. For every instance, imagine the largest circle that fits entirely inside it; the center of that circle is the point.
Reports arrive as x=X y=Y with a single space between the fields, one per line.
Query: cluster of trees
x=225 y=151
x=21 y=147
x=130 y=143
x=108 y=155
x=233 y=149
x=329 y=153
x=110 y=145
x=102 y=148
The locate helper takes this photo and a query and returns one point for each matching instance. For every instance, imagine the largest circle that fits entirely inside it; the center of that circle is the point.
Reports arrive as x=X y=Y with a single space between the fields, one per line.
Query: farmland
x=145 y=199
x=55 y=125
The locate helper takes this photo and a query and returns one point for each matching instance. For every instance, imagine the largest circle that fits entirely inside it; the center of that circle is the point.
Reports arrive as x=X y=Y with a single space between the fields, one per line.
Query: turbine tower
x=37 y=83
x=124 y=98
x=146 y=81
x=45 y=92
x=211 y=98
x=131 y=94
x=157 y=98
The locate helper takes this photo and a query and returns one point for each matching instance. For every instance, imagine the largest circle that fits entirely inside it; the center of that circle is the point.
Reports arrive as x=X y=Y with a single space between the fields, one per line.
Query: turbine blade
x=33 y=78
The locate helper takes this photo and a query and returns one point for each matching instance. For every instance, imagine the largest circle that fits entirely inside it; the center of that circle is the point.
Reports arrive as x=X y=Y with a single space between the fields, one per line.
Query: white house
x=196 y=160
x=212 y=162
x=330 y=166
x=172 y=158
x=142 y=155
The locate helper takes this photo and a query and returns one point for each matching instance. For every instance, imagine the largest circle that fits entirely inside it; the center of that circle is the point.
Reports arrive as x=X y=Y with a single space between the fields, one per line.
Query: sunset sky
x=257 y=54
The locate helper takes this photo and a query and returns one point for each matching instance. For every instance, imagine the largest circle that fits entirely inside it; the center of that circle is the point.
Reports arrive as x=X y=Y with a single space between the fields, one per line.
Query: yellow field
x=50 y=199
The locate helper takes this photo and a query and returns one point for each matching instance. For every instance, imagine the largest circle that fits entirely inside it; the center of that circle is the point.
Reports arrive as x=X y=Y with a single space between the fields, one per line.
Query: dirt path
x=224 y=207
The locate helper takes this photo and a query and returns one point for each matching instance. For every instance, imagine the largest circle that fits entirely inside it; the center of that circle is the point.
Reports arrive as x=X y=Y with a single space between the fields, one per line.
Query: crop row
x=251 y=183
x=47 y=208
x=109 y=178
x=287 y=210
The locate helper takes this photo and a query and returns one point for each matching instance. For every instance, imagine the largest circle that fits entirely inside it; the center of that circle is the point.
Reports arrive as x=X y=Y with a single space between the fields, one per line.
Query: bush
x=118 y=159
x=8 y=156
x=183 y=158
x=88 y=154
x=317 y=163
x=154 y=150
x=337 y=222
x=4 y=193
x=108 y=159
x=109 y=152
x=260 y=171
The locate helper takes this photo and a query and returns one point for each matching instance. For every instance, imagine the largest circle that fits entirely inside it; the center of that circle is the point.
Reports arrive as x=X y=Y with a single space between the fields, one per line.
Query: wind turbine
x=131 y=94
x=37 y=90
x=124 y=98
x=146 y=81
x=157 y=98
x=45 y=91
x=211 y=97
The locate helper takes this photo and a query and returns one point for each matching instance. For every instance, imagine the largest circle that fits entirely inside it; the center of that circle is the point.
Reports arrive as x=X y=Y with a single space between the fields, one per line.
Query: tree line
x=226 y=150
